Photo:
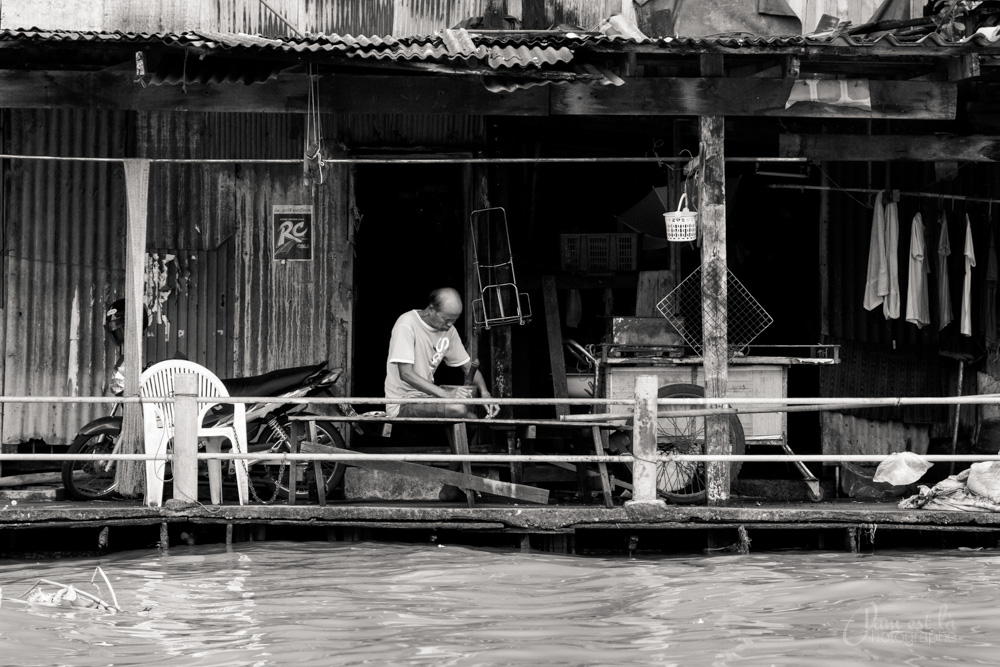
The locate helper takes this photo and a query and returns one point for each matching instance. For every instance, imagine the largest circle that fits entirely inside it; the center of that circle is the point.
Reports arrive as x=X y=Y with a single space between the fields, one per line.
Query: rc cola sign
x=292 y=233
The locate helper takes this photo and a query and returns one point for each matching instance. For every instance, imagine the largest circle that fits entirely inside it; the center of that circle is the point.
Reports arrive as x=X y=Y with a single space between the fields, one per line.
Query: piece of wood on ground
x=438 y=475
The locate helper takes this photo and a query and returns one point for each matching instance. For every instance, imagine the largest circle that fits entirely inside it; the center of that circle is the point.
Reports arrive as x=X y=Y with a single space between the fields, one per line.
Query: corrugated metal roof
x=524 y=50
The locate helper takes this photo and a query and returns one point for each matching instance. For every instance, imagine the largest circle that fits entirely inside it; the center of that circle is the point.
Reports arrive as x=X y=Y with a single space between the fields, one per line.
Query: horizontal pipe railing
x=842 y=403
x=645 y=410
x=503 y=458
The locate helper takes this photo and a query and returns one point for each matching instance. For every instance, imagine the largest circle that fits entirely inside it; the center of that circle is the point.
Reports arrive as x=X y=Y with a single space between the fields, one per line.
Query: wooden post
x=185 y=458
x=553 y=327
x=714 y=284
x=644 y=442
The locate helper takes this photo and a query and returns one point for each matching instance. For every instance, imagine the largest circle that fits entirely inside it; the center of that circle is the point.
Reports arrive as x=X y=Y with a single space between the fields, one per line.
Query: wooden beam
x=963 y=67
x=457 y=95
x=714 y=297
x=287 y=94
x=711 y=64
x=553 y=329
x=749 y=97
x=879 y=148
x=438 y=475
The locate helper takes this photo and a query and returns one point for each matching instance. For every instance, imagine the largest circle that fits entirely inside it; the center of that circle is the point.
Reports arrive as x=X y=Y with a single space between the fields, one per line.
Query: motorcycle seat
x=273 y=383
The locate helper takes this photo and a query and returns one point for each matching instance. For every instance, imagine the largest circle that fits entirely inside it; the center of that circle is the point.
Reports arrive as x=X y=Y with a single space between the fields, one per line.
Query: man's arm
x=412 y=378
x=484 y=392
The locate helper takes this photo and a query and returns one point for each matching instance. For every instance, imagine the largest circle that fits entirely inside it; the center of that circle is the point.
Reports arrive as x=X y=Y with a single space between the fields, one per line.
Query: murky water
x=279 y=603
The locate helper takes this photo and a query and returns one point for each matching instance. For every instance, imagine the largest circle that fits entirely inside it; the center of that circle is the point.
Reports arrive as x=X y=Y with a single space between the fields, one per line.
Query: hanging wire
x=314 y=128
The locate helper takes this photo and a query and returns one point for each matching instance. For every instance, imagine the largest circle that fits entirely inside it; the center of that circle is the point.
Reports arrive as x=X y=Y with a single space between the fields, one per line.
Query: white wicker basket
x=682 y=224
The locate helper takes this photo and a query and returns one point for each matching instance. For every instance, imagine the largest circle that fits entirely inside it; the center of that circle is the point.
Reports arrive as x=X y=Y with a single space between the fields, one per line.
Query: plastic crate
x=599 y=252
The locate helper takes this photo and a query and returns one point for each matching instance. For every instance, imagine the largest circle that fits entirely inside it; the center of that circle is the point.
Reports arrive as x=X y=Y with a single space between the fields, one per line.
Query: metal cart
x=612 y=369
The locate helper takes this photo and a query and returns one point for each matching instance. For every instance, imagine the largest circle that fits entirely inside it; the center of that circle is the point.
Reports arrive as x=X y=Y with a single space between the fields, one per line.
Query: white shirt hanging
x=891 y=304
x=970 y=261
x=917 y=303
x=944 y=287
x=877 y=281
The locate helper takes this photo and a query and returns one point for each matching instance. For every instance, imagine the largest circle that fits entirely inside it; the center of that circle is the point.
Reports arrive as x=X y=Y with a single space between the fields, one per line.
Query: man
x=420 y=341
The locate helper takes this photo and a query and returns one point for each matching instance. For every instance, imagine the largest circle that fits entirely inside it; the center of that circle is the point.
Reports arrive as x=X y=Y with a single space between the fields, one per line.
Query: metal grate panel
x=683 y=309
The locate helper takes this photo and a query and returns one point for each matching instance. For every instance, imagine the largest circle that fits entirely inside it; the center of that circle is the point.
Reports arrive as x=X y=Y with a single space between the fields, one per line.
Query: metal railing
x=641 y=420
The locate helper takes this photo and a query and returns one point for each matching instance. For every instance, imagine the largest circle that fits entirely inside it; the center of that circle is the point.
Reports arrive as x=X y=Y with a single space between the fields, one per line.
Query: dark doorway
x=410 y=242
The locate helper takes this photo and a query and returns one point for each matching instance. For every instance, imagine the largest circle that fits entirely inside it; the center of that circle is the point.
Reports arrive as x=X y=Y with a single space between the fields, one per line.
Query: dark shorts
x=427 y=410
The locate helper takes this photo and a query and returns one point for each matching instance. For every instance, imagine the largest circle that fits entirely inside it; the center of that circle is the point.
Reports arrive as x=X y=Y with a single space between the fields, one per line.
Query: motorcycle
x=268 y=431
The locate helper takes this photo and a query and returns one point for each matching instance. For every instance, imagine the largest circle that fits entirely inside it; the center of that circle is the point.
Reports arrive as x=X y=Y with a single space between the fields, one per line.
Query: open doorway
x=410 y=242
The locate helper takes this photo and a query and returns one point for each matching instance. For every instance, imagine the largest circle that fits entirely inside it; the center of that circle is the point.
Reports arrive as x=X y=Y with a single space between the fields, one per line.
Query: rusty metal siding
x=192 y=224
x=347 y=17
x=64 y=233
x=292 y=313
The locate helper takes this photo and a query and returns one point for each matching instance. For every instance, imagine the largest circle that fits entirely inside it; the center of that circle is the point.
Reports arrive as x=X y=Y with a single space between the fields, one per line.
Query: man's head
x=444 y=308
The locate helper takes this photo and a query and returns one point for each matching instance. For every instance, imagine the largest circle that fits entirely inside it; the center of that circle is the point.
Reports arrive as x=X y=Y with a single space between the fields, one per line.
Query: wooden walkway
x=838 y=525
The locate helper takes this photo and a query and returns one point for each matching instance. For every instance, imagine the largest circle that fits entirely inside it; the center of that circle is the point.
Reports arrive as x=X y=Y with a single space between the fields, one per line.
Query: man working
x=421 y=340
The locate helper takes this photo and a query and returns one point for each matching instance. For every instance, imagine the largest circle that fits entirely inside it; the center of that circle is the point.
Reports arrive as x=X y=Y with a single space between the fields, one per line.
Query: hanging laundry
x=970 y=261
x=917 y=303
x=891 y=304
x=944 y=287
x=877 y=282
x=988 y=311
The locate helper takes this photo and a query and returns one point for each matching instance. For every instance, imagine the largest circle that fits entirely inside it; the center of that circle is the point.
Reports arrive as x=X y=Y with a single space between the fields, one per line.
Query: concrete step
x=32 y=494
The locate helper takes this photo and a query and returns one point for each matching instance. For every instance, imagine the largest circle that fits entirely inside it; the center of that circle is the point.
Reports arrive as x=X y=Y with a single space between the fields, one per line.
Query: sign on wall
x=292 y=233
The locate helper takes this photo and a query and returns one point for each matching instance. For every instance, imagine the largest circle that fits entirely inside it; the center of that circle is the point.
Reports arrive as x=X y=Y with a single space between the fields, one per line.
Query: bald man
x=421 y=340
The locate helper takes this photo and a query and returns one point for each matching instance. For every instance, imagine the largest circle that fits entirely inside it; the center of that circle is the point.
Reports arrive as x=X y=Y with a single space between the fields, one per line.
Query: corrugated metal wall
x=354 y=17
x=343 y=17
x=292 y=313
x=64 y=226
x=226 y=304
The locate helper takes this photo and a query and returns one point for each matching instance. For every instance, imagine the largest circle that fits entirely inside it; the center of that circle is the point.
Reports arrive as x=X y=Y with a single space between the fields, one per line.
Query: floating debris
x=66 y=596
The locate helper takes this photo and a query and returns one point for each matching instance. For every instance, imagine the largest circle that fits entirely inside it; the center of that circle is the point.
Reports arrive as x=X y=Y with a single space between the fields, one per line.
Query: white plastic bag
x=901 y=468
x=984 y=479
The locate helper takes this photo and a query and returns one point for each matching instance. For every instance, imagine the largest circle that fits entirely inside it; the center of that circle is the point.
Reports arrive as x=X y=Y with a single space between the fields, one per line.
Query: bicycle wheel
x=685 y=481
x=326 y=433
x=92 y=480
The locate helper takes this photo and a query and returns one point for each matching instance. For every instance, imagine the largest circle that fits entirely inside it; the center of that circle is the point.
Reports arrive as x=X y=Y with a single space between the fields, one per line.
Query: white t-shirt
x=413 y=341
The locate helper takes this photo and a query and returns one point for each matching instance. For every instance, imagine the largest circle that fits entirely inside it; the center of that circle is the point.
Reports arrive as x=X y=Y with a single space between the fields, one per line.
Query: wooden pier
x=49 y=529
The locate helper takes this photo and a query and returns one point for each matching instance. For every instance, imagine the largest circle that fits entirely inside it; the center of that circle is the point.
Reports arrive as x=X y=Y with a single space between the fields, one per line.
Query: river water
x=284 y=603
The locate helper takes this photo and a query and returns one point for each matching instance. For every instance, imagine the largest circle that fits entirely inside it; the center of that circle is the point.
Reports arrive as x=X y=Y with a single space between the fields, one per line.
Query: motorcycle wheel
x=276 y=476
x=92 y=480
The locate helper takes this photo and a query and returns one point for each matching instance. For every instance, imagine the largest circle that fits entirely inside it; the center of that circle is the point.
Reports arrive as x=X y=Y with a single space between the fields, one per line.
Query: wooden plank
x=653 y=286
x=600 y=440
x=461 y=95
x=438 y=475
x=749 y=97
x=288 y=94
x=553 y=329
x=714 y=283
x=878 y=148
x=460 y=440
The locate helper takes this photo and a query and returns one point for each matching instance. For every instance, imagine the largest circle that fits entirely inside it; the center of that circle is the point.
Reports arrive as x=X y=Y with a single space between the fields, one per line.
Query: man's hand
x=492 y=409
x=462 y=392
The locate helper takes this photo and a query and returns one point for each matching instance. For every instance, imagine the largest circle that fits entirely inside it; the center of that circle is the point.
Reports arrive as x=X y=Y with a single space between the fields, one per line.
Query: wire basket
x=682 y=225
x=746 y=318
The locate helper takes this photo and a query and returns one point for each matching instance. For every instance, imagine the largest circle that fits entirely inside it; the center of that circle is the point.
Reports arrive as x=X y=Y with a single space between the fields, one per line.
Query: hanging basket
x=682 y=224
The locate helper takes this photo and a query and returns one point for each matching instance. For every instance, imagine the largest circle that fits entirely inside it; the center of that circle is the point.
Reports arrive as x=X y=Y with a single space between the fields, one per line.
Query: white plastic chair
x=158 y=420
